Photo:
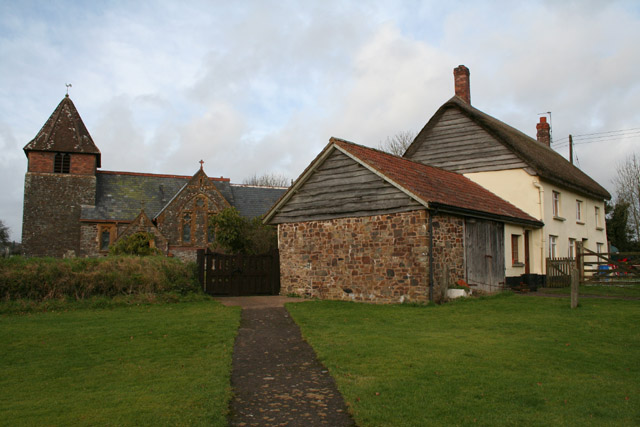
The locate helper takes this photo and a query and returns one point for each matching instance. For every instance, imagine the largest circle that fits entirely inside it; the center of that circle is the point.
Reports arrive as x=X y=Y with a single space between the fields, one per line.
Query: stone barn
x=360 y=224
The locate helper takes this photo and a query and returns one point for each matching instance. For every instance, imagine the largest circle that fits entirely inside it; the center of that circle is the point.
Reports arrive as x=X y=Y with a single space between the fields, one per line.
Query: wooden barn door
x=484 y=253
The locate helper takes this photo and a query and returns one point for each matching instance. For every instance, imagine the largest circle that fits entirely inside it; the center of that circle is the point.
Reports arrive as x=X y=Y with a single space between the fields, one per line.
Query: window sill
x=580 y=222
x=600 y=228
x=559 y=218
x=517 y=264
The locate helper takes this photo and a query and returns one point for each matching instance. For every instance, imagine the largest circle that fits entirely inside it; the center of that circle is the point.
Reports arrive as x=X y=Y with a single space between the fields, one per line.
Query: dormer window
x=62 y=163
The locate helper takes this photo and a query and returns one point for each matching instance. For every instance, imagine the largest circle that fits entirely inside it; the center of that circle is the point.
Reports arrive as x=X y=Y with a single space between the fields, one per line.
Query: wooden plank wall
x=342 y=188
x=484 y=244
x=458 y=144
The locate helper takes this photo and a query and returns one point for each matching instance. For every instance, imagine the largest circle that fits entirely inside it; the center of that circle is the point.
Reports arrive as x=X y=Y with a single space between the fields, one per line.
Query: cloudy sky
x=253 y=87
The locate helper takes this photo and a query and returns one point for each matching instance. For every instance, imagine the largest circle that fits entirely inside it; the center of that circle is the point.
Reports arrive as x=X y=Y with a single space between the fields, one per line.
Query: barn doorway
x=484 y=254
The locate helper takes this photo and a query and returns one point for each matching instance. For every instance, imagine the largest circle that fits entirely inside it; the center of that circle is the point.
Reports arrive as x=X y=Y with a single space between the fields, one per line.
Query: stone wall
x=381 y=258
x=51 y=212
x=448 y=248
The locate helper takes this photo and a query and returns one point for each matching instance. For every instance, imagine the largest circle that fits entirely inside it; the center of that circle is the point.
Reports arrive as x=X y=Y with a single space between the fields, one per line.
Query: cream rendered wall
x=534 y=196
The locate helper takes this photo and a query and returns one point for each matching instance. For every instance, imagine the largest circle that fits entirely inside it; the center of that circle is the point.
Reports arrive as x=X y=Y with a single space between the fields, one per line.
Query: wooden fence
x=239 y=275
x=617 y=268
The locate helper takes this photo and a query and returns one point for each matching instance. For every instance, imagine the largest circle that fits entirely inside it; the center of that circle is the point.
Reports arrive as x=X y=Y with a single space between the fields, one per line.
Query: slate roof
x=545 y=161
x=121 y=195
x=64 y=131
x=253 y=201
x=430 y=186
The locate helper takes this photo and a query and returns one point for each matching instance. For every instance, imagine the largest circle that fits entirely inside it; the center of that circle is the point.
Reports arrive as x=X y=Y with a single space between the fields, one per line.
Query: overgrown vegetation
x=42 y=279
x=235 y=234
x=505 y=360
x=163 y=364
x=139 y=244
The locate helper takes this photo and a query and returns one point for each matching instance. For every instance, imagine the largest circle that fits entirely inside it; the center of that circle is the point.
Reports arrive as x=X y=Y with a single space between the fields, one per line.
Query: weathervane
x=68 y=85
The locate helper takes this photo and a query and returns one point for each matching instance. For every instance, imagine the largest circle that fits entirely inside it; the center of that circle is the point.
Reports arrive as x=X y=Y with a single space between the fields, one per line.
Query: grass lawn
x=161 y=364
x=505 y=360
x=620 y=290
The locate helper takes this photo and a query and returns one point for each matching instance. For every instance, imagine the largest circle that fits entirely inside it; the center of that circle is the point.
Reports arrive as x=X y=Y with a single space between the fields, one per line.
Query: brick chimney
x=461 y=80
x=543 y=135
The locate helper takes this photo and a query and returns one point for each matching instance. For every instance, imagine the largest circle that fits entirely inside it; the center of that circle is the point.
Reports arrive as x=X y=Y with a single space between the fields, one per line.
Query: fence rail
x=559 y=272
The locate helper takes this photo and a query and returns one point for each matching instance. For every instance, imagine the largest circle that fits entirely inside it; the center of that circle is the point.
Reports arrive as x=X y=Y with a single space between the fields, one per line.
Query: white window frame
x=553 y=246
x=599 y=248
x=579 y=211
x=555 y=203
x=572 y=248
x=597 y=213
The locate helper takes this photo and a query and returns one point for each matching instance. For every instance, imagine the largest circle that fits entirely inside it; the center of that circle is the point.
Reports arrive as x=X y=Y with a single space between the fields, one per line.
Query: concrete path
x=276 y=378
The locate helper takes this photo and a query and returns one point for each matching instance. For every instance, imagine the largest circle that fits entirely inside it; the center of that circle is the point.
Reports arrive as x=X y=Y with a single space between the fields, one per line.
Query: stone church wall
x=52 y=212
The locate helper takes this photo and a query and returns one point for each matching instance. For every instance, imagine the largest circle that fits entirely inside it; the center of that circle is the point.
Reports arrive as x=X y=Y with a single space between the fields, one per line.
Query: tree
x=627 y=183
x=268 y=180
x=235 y=234
x=4 y=234
x=618 y=232
x=398 y=143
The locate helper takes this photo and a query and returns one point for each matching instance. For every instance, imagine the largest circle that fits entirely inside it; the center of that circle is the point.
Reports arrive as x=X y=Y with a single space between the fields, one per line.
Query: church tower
x=60 y=178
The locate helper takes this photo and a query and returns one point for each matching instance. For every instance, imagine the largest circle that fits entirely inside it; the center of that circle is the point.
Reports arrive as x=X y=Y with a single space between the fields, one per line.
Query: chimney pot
x=543 y=132
x=462 y=85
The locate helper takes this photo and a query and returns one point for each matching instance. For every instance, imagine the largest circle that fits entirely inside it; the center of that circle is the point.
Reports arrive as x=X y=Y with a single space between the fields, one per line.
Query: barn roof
x=545 y=161
x=432 y=187
x=64 y=131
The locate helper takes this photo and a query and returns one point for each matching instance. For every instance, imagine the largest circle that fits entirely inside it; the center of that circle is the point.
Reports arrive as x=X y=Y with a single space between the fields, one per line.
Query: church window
x=105 y=239
x=186 y=228
x=62 y=163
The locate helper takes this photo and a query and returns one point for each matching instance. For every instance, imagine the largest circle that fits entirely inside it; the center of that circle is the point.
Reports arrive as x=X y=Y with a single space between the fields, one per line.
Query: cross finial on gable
x=201 y=163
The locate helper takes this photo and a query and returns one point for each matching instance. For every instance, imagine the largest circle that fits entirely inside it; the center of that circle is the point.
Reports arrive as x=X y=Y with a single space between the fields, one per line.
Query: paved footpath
x=276 y=378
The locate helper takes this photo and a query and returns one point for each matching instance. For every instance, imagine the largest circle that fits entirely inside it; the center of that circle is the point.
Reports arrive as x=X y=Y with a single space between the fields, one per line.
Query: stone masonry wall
x=51 y=212
x=381 y=258
x=448 y=248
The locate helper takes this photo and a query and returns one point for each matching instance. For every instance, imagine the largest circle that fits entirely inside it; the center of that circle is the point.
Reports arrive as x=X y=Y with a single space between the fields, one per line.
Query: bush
x=140 y=244
x=43 y=279
x=237 y=235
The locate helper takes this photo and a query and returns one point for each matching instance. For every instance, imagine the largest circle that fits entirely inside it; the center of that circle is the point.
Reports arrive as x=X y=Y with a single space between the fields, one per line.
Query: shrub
x=140 y=244
x=48 y=278
x=235 y=234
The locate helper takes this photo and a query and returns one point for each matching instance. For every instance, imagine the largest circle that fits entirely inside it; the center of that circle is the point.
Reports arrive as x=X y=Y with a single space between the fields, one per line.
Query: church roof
x=545 y=161
x=64 y=131
x=121 y=195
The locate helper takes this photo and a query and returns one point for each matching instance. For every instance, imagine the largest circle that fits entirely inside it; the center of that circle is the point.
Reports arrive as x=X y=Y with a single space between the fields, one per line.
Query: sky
x=255 y=87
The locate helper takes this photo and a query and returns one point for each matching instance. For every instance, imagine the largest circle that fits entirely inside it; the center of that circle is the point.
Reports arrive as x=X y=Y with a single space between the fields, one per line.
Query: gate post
x=574 y=287
x=200 y=262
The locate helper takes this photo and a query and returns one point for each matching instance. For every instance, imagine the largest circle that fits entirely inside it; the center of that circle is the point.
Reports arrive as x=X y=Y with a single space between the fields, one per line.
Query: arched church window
x=186 y=228
x=62 y=163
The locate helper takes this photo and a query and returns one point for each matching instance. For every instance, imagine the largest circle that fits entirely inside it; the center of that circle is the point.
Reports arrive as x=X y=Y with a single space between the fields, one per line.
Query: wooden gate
x=484 y=254
x=559 y=272
x=239 y=275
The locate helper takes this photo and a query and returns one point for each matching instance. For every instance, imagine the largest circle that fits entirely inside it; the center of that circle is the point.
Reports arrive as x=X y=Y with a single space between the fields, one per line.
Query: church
x=72 y=208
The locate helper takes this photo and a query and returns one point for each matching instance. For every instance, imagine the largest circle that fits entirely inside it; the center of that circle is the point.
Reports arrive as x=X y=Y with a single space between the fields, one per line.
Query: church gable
x=185 y=218
x=143 y=224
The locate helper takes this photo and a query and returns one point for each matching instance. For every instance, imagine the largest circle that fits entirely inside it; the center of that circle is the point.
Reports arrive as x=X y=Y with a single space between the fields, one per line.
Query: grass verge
x=503 y=360
x=159 y=364
x=621 y=290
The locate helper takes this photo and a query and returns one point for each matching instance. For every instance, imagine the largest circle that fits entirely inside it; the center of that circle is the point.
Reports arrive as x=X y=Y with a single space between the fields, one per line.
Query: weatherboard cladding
x=64 y=131
x=457 y=123
x=342 y=188
x=121 y=195
x=361 y=181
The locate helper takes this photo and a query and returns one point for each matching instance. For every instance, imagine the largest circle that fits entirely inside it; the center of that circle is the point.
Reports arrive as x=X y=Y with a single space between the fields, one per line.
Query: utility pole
x=571 y=148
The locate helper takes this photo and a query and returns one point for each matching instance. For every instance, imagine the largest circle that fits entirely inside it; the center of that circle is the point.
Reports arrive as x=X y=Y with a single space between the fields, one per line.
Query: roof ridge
x=157 y=175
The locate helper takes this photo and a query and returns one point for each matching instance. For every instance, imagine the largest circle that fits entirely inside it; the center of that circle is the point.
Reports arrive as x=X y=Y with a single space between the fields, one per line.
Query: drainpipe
x=430 y=256
x=541 y=203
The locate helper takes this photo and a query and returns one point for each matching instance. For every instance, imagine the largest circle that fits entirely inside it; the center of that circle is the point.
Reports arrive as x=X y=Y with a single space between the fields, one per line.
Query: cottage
x=73 y=208
x=364 y=225
x=524 y=171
